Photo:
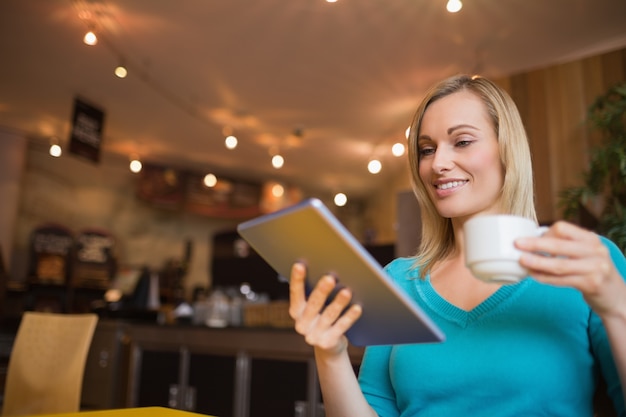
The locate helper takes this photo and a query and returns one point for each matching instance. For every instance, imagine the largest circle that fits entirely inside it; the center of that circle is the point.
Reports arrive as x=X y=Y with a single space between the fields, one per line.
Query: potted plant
x=600 y=203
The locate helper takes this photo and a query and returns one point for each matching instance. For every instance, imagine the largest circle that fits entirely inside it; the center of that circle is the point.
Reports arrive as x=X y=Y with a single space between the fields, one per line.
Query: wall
x=79 y=194
x=553 y=103
x=12 y=154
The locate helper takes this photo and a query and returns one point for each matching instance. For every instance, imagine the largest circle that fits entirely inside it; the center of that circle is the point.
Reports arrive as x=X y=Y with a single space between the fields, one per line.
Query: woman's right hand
x=323 y=326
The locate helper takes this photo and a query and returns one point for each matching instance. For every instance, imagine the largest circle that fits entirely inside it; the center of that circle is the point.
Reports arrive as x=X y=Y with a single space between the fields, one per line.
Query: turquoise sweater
x=528 y=350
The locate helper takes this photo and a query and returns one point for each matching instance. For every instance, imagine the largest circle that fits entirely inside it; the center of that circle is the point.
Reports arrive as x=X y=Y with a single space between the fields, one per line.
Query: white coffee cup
x=490 y=252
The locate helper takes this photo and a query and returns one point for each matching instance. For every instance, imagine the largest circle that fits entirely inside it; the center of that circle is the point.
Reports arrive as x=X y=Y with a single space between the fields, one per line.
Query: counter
x=234 y=371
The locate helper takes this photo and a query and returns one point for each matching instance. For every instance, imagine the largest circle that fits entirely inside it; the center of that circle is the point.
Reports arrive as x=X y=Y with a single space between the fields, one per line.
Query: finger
x=334 y=322
x=318 y=298
x=339 y=315
x=347 y=319
x=335 y=308
x=343 y=324
x=297 y=280
x=584 y=274
x=552 y=265
x=567 y=230
x=564 y=240
x=309 y=313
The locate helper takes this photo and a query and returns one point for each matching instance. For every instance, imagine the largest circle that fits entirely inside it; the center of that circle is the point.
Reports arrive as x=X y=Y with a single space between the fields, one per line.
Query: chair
x=47 y=362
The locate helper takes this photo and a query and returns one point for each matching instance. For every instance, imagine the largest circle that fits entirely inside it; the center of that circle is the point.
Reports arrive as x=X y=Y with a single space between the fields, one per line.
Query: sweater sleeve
x=600 y=341
x=375 y=381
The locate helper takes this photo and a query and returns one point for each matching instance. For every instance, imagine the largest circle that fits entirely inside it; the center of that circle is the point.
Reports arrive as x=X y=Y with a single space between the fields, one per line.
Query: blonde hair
x=517 y=191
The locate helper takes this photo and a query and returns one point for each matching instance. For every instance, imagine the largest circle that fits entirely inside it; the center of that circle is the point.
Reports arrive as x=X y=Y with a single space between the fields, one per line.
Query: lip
x=448 y=191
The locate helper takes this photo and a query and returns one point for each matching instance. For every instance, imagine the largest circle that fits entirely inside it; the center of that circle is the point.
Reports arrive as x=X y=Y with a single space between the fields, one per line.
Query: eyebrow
x=449 y=131
x=461 y=126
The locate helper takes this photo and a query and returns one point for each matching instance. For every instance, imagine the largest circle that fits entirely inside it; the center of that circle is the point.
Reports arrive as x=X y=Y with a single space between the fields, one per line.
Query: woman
x=532 y=348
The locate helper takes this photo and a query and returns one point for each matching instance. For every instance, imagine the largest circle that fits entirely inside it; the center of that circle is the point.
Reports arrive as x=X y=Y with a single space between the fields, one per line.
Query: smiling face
x=459 y=161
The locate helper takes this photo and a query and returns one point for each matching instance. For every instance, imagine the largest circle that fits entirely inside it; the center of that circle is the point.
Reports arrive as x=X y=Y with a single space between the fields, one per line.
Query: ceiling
x=328 y=85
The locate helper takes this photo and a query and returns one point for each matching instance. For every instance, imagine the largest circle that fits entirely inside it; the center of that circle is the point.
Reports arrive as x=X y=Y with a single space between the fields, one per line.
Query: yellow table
x=130 y=412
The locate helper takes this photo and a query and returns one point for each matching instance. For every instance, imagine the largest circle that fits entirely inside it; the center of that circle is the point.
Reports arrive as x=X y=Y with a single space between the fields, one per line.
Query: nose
x=442 y=160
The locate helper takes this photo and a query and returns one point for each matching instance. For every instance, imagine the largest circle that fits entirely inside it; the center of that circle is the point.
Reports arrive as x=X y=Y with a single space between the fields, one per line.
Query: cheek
x=488 y=162
x=423 y=171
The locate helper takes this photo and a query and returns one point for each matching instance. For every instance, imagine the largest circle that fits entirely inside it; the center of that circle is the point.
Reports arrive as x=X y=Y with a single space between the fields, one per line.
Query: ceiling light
x=230 y=142
x=210 y=180
x=121 y=71
x=55 y=150
x=90 y=38
x=135 y=165
x=397 y=149
x=454 y=6
x=374 y=166
x=278 y=190
x=340 y=199
x=278 y=161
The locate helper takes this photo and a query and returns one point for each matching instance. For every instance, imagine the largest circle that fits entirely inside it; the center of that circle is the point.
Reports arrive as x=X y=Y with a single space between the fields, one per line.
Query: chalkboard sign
x=51 y=250
x=86 y=134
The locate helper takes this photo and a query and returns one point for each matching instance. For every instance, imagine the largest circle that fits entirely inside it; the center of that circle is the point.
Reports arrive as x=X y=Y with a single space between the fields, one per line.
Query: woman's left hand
x=567 y=255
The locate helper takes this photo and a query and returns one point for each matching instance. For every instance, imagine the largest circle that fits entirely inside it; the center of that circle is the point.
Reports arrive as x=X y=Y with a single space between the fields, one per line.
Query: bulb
x=397 y=149
x=210 y=180
x=278 y=190
x=90 y=38
x=374 y=166
x=55 y=150
x=135 y=166
x=278 y=161
x=340 y=199
x=121 y=71
x=454 y=6
x=231 y=142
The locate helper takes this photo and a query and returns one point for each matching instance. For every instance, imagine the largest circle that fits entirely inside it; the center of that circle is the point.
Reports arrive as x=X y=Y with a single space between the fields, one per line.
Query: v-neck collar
x=461 y=317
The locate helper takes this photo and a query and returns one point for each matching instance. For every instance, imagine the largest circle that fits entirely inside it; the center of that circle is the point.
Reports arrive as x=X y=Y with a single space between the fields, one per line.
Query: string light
x=278 y=190
x=397 y=149
x=135 y=165
x=278 y=161
x=121 y=71
x=231 y=142
x=340 y=199
x=90 y=38
x=55 y=148
x=374 y=166
x=210 y=180
x=454 y=6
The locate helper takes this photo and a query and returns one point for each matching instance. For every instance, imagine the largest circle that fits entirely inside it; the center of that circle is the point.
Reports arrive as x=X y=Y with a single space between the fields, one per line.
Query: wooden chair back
x=47 y=362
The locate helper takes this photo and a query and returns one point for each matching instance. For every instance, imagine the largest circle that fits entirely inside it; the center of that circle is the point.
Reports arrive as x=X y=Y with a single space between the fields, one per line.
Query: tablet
x=308 y=231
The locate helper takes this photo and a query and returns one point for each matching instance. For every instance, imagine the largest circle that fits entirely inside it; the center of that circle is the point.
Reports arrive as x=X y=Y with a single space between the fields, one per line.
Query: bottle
x=236 y=312
x=218 y=309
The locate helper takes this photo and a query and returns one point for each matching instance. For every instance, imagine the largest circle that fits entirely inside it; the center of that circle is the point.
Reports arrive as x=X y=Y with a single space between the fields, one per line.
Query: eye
x=463 y=143
x=425 y=151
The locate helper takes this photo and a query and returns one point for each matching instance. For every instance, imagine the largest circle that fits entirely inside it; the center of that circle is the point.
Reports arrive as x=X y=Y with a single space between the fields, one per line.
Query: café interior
x=136 y=136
